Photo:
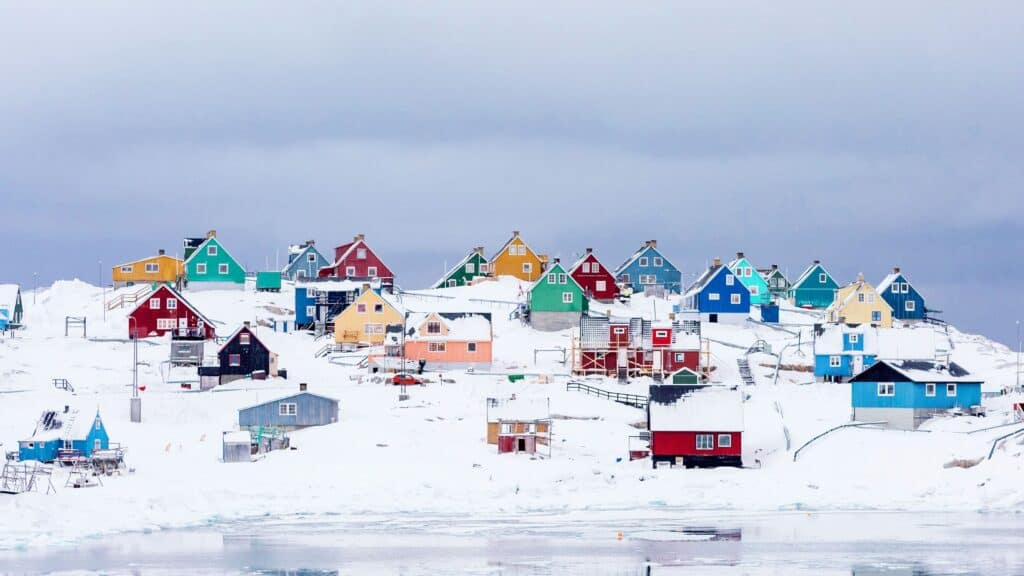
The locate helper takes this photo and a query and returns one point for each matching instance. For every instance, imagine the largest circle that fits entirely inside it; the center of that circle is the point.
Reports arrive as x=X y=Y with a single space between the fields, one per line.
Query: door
x=621 y=358
x=521 y=445
x=858 y=364
x=658 y=358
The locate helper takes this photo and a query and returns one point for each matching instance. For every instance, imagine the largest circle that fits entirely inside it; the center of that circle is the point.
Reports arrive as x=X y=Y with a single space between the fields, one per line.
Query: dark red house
x=166 y=311
x=702 y=429
x=635 y=347
x=356 y=261
x=597 y=282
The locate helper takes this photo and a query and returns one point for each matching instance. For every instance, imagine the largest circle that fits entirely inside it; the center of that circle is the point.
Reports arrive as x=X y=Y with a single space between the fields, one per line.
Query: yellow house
x=859 y=303
x=159 y=268
x=366 y=320
x=517 y=259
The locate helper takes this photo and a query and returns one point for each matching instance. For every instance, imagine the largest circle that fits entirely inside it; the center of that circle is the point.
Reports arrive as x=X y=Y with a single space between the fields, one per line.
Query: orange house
x=449 y=340
x=517 y=259
x=160 y=268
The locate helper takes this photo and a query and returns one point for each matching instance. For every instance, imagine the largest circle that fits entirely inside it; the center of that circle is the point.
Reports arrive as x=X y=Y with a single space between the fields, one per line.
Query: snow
x=469 y=328
x=8 y=296
x=922 y=342
x=712 y=409
x=238 y=437
x=520 y=409
x=435 y=441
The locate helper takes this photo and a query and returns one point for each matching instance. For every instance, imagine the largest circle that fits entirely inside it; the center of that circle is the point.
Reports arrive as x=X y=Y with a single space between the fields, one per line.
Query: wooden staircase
x=128 y=298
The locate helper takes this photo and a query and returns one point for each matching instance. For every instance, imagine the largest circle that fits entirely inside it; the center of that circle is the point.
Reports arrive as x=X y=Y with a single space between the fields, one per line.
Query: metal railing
x=996 y=442
x=831 y=430
x=634 y=400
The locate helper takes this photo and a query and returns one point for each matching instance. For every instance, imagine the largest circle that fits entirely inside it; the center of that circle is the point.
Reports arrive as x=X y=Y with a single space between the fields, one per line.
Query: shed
x=290 y=412
x=519 y=425
x=702 y=429
x=237 y=446
x=268 y=281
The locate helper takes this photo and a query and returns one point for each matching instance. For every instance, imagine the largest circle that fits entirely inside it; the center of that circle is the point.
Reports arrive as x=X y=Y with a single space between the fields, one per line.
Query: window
x=378 y=308
x=287 y=409
x=876 y=316
x=896 y=288
x=97 y=425
x=522 y=249
x=871 y=298
x=126 y=269
x=154 y=303
x=714 y=296
x=951 y=390
x=361 y=308
x=860 y=297
x=551 y=278
x=910 y=305
x=754 y=290
x=484 y=266
x=725 y=440
x=373 y=328
x=470 y=268
x=661 y=333
x=657 y=261
x=735 y=299
x=300 y=273
x=705 y=441
x=643 y=261
x=600 y=286
x=906 y=288
x=361 y=254
x=527 y=268
x=854 y=338
x=371 y=271
x=172 y=304
x=152 y=268
x=234 y=359
x=350 y=271
x=730 y=280
x=452 y=283
x=821 y=278
x=311 y=311
x=506 y=428
x=311 y=257
x=929 y=389
x=244 y=339
x=165 y=324
x=436 y=347
x=471 y=347
x=566 y=297
x=886 y=389
x=211 y=250
x=680 y=357
x=222 y=268
x=618 y=330
x=433 y=327
x=562 y=279
x=201 y=268
x=648 y=279
x=97 y=444
x=835 y=361
x=512 y=250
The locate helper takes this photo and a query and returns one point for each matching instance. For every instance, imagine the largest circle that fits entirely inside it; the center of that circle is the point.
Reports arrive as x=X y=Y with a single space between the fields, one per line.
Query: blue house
x=815 y=288
x=320 y=302
x=304 y=262
x=647 y=270
x=290 y=412
x=904 y=394
x=718 y=296
x=67 y=430
x=906 y=302
x=841 y=351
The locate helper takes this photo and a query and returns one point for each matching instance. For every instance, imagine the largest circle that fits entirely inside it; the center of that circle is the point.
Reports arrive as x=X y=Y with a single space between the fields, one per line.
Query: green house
x=778 y=285
x=268 y=281
x=211 y=266
x=473 y=266
x=556 y=300
x=751 y=278
x=815 y=288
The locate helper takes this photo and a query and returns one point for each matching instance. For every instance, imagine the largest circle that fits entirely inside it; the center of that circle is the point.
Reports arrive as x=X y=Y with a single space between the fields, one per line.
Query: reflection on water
x=666 y=545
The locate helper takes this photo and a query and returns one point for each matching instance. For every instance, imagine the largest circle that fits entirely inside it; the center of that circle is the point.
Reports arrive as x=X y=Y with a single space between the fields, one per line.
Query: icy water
x=652 y=543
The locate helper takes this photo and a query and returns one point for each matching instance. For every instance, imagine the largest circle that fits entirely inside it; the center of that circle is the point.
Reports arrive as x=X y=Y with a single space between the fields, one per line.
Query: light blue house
x=751 y=278
x=290 y=412
x=718 y=296
x=906 y=302
x=647 y=270
x=842 y=351
x=304 y=262
x=815 y=288
x=904 y=394
x=65 y=429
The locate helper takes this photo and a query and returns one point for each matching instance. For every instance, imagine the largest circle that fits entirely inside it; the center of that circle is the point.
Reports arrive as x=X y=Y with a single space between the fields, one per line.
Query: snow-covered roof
x=234 y=334
x=467 y=327
x=644 y=248
x=238 y=437
x=272 y=397
x=440 y=282
x=520 y=409
x=917 y=343
x=81 y=422
x=925 y=371
x=686 y=341
x=888 y=280
x=803 y=277
x=509 y=241
x=703 y=281
x=220 y=247
x=9 y=295
x=145 y=302
x=339 y=285
x=710 y=409
x=554 y=269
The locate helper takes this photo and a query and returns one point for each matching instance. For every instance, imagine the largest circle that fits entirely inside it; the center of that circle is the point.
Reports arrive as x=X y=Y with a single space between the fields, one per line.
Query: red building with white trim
x=166 y=311
x=356 y=261
x=703 y=429
x=634 y=347
x=597 y=282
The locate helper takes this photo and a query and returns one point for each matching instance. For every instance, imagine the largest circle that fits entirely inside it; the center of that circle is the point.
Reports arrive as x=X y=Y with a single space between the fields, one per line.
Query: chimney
x=590 y=250
x=366 y=288
x=896 y=270
x=211 y=233
x=302 y=386
x=775 y=267
x=67 y=408
x=310 y=242
x=860 y=277
x=515 y=233
x=246 y=324
x=161 y=252
x=359 y=237
x=817 y=261
x=608 y=312
x=716 y=262
x=739 y=255
x=652 y=243
x=479 y=250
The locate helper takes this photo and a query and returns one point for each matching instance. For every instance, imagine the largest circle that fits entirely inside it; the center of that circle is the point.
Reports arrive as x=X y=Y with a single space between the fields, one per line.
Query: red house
x=356 y=261
x=166 y=311
x=702 y=429
x=634 y=347
x=597 y=282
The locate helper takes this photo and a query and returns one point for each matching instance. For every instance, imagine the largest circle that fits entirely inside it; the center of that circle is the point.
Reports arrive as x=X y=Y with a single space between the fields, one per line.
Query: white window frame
x=950 y=387
x=211 y=250
x=562 y=278
x=551 y=278
x=244 y=339
x=360 y=253
x=727 y=440
x=822 y=278
x=910 y=306
x=378 y=308
x=600 y=286
x=311 y=311
x=436 y=347
x=373 y=328
x=172 y=304
x=876 y=315
x=201 y=268
x=705 y=442
x=567 y=297
x=755 y=290
x=929 y=389
x=154 y=303
x=861 y=297
x=152 y=268
x=232 y=362
x=527 y=268
x=714 y=296
x=452 y=283
x=311 y=257
x=300 y=273
x=433 y=327
x=680 y=357
x=730 y=280
x=361 y=308
x=896 y=288
x=512 y=250
x=886 y=389
x=643 y=262
x=854 y=338
x=470 y=268
x=484 y=267
x=906 y=287
x=735 y=299
x=371 y=271
x=126 y=269
x=657 y=261
x=223 y=268
x=287 y=409
x=835 y=361
x=522 y=249
x=350 y=271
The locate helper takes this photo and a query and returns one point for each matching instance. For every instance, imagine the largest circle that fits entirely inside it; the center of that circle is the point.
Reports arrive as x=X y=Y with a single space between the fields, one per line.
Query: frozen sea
x=666 y=543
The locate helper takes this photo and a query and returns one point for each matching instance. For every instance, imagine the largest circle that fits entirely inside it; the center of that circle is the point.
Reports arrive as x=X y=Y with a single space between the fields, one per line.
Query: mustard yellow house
x=366 y=320
x=159 y=268
x=859 y=303
x=517 y=259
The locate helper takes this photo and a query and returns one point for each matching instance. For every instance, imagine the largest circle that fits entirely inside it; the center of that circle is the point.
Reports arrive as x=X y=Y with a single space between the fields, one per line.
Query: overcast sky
x=865 y=134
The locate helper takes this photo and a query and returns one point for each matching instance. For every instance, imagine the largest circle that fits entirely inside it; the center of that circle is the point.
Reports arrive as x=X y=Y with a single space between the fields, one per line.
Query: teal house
x=751 y=278
x=778 y=285
x=815 y=288
x=211 y=267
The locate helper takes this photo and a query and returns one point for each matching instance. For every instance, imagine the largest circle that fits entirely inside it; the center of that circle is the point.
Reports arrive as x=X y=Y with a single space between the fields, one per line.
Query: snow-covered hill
x=428 y=457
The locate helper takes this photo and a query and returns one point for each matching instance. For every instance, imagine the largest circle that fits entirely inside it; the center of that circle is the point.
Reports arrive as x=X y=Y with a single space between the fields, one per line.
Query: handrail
x=1000 y=439
x=634 y=400
x=130 y=298
x=831 y=430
